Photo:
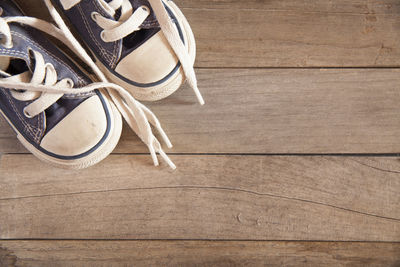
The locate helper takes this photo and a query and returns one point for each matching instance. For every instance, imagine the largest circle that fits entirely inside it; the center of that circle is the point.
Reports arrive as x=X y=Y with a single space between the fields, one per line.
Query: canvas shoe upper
x=147 y=46
x=58 y=112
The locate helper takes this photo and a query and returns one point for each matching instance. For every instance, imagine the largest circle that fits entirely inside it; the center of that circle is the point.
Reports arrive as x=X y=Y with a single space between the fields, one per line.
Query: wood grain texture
x=289 y=33
x=249 y=112
x=276 y=111
x=197 y=253
x=208 y=197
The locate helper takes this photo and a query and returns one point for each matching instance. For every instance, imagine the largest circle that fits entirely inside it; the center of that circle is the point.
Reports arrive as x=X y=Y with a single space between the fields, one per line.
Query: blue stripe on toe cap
x=106 y=134
x=145 y=85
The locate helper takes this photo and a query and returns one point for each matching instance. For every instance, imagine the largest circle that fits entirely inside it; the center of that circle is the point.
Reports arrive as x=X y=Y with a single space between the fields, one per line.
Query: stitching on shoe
x=14 y=53
x=80 y=95
x=116 y=43
x=80 y=80
x=115 y=58
x=39 y=133
x=30 y=129
x=107 y=56
x=26 y=56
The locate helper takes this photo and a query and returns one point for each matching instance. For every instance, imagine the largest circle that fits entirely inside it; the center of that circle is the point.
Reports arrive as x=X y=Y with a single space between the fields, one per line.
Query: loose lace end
x=153 y=155
x=198 y=95
x=163 y=155
x=164 y=137
x=167 y=159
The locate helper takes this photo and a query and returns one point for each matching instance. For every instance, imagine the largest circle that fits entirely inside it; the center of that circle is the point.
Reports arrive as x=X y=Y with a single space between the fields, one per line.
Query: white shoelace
x=130 y=21
x=42 y=86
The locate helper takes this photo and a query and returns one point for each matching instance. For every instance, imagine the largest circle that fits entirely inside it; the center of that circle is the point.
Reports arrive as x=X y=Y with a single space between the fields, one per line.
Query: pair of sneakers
x=71 y=117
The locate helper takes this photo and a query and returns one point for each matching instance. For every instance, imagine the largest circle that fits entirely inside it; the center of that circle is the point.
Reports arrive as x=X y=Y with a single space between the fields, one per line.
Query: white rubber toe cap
x=149 y=63
x=79 y=131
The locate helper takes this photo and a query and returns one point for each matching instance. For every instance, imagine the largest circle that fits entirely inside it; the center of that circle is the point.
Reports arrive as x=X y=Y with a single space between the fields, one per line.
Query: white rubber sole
x=96 y=156
x=174 y=82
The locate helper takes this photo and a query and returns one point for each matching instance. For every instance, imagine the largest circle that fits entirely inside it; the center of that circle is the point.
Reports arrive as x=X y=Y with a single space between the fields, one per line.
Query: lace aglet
x=198 y=95
x=154 y=155
x=167 y=160
x=165 y=137
x=172 y=166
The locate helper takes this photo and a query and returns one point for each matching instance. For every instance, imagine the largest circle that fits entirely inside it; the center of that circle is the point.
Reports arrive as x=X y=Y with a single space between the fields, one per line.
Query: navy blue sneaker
x=145 y=46
x=39 y=98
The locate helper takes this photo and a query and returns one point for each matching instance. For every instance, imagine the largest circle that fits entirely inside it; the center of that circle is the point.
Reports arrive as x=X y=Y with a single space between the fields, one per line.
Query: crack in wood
x=211 y=188
x=375 y=168
x=324 y=12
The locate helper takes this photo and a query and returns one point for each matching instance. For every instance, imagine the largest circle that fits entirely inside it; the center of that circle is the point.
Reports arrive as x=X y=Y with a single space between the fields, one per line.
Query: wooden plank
x=276 y=111
x=197 y=253
x=339 y=6
x=293 y=33
x=208 y=197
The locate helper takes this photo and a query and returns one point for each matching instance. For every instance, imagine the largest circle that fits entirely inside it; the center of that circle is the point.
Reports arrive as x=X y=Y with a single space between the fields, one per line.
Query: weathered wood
x=276 y=111
x=208 y=197
x=197 y=253
x=330 y=180
x=249 y=111
x=289 y=33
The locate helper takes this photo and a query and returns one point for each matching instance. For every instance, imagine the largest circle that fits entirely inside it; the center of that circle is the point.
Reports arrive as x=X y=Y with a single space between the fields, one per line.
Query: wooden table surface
x=294 y=160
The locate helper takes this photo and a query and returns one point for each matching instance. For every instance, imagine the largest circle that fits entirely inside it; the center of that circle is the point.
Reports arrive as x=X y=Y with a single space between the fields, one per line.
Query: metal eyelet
x=102 y=36
x=145 y=8
x=30 y=51
x=26 y=113
x=70 y=82
x=93 y=15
